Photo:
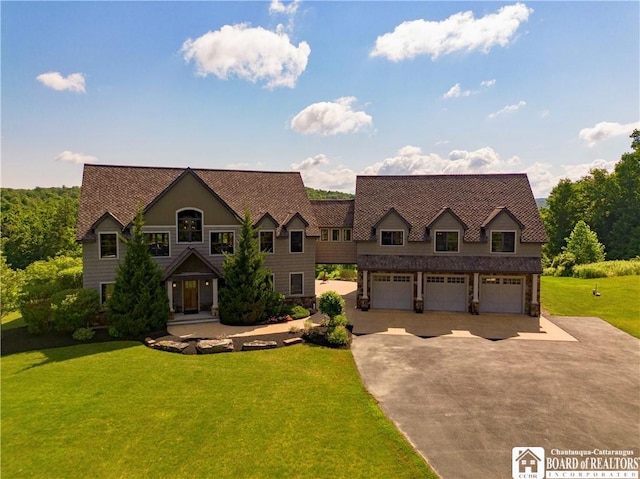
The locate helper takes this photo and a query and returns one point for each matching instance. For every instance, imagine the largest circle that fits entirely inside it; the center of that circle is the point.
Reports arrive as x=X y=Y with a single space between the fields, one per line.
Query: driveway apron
x=465 y=402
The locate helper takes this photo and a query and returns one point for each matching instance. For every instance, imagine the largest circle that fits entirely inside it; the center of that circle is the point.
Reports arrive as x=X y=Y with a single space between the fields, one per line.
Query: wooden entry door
x=190 y=295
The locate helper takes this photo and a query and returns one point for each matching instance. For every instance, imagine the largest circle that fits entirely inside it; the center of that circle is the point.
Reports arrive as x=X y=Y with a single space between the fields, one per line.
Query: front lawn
x=618 y=303
x=120 y=409
x=13 y=320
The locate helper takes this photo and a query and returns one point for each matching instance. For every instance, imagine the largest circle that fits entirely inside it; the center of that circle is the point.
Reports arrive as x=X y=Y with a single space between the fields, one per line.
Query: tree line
x=609 y=203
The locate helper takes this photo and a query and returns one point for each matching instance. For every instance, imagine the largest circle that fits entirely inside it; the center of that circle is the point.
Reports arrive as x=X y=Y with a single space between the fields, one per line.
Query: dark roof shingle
x=119 y=189
x=336 y=213
x=419 y=199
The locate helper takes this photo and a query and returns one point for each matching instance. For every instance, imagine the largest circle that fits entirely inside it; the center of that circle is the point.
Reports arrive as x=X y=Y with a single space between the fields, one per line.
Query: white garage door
x=392 y=291
x=501 y=295
x=445 y=293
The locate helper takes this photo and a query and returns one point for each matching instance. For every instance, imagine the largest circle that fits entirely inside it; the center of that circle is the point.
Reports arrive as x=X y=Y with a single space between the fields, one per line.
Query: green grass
x=12 y=320
x=122 y=410
x=619 y=303
x=607 y=268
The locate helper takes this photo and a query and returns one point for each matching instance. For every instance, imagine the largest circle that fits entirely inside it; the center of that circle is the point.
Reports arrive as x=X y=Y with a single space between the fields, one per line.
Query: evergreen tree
x=584 y=245
x=246 y=289
x=139 y=302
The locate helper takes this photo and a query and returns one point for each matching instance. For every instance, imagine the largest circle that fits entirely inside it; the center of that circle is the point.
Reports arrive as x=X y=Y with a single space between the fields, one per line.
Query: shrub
x=73 y=309
x=348 y=275
x=83 y=334
x=37 y=315
x=114 y=333
x=339 y=320
x=331 y=303
x=70 y=278
x=584 y=245
x=298 y=312
x=275 y=305
x=310 y=331
x=606 y=268
x=563 y=264
x=338 y=336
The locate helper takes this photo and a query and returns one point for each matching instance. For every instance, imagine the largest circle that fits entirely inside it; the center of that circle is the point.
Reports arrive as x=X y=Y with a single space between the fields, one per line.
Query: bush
x=338 y=336
x=339 y=320
x=298 y=312
x=73 y=309
x=563 y=264
x=70 y=278
x=275 y=305
x=37 y=315
x=83 y=334
x=348 y=275
x=605 y=269
x=331 y=304
x=114 y=333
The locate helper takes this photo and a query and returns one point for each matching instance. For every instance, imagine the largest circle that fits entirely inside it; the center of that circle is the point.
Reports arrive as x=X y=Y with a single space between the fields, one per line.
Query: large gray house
x=436 y=242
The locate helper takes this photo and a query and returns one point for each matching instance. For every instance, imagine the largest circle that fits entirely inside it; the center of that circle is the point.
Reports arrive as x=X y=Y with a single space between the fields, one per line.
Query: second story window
x=392 y=237
x=296 y=241
x=108 y=245
x=189 y=226
x=346 y=234
x=158 y=243
x=222 y=242
x=324 y=235
x=446 y=241
x=266 y=241
x=335 y=235
x=503 y=241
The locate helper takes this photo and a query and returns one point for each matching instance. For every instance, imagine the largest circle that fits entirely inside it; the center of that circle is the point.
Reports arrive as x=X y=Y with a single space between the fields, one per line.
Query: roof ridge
x=183 y=168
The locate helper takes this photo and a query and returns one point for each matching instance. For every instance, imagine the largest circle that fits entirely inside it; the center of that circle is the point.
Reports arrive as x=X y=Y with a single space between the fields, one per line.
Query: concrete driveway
x=465 y=402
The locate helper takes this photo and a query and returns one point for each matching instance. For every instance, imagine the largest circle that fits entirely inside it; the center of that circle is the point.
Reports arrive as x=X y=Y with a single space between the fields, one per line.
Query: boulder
x=211 y=346
x=258 y=344
x=290 y=341
x=171 y=346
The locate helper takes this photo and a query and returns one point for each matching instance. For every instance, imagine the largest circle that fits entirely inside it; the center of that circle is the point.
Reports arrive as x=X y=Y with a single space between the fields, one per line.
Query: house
x=440 y=242
x=192 y=218
x=527 y=462
x=437 y=242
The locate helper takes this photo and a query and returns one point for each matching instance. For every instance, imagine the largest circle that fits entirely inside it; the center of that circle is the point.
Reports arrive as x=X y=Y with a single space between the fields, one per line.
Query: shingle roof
x=450 y=264
x=336 y=213
x=119 y=189
x=419 y=199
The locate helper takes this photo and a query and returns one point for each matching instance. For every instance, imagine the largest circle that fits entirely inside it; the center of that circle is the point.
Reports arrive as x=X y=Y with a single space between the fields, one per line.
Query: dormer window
x=447 y=242
x=189 y=226
x=503 y=241
x=392 y=237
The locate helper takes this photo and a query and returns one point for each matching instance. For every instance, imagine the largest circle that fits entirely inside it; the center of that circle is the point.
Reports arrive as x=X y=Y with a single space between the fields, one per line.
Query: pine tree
x=246 y=290
x=139 y=302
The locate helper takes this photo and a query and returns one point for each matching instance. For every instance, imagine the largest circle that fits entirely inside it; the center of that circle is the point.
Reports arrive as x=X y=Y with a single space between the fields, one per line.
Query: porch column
x=476 y=281
x=534 y=289
x=169 y=285
x=214 y=290
x=419 y=287
x=364 y=285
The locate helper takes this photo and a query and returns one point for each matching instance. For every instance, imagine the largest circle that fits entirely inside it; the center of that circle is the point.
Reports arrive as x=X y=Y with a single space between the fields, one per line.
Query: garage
x=501 y=295
x=445 y=293
x=392 y=291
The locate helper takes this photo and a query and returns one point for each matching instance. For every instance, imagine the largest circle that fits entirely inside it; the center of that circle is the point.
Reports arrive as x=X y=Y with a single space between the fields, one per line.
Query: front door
x=191 y=296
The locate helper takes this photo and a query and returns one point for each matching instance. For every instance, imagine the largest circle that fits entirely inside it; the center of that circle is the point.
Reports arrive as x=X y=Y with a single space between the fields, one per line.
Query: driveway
x=465 y=401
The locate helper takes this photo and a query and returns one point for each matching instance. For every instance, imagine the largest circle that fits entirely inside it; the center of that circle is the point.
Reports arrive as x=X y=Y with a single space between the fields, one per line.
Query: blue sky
x=330 y=89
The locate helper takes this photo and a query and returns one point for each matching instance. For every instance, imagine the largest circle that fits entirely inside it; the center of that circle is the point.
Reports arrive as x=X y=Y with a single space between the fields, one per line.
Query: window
x=392 y=237
x=266 y=241
x=296 y=241
x=335 y=235
x=296 y=281
x=324 y=235
x=346 y=234
x=503 y=242
x=158 y=243
x=106 y=290
x=108 y=245
x=189 y=226
x=447 y=241
x=222 y=242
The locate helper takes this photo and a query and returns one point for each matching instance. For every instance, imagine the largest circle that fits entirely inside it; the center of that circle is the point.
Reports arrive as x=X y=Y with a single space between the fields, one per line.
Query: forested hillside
x=38 y=224
x=327 y=195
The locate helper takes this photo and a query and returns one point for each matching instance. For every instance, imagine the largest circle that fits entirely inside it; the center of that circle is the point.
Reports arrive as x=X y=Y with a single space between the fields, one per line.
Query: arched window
x=189 y=226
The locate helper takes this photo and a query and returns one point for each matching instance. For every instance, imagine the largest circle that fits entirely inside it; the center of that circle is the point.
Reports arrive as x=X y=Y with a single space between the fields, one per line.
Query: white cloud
x=331 y=118
x=238 y=166
x=455 y=91
x=488 y=83
x=507 y=109
x=77 y=158
x=575 y=172
x=277 y=7
x=341 y=178
x=541 y=179
x=249 y=53
x=605 y=130
x=460 y=32
x=54 y=80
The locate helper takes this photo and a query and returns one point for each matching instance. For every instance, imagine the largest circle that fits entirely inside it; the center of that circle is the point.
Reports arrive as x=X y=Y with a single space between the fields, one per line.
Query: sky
x=330 y=89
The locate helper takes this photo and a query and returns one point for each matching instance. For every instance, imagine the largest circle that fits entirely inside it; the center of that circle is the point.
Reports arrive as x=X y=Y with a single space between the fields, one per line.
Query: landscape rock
x=171 y=346
x=212 y=346
x=258 y=344
x=290 y=341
